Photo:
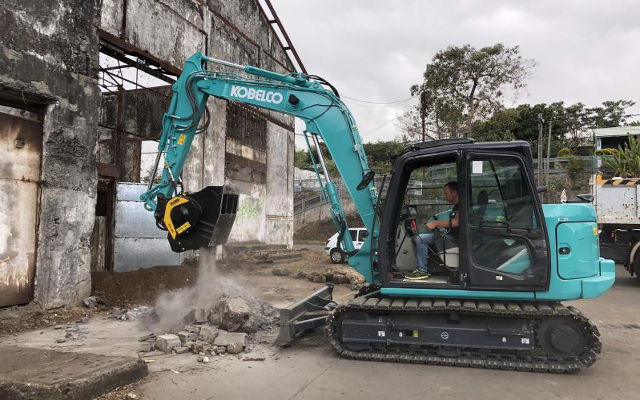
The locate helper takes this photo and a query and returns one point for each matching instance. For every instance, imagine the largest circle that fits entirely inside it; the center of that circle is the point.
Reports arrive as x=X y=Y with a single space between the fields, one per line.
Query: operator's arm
x=455 y=222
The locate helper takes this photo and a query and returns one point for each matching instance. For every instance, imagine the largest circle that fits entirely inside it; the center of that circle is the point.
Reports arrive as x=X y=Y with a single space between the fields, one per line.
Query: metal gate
x=138 y=243
x=21 y=149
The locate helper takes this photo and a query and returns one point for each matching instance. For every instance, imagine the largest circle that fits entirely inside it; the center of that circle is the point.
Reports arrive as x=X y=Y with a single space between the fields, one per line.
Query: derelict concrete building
x=83 y=86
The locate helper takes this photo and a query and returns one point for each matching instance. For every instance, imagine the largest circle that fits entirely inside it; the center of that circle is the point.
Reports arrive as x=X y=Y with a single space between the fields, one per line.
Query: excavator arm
x=191 y=219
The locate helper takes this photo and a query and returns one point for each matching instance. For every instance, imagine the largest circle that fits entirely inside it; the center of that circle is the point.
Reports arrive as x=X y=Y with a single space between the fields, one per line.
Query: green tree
x=463 y=85
x=612 y=113
x=380 y=154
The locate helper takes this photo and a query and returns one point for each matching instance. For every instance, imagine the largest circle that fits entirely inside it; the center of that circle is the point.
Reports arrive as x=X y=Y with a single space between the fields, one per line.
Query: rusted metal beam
x=135 y=51
x=289 y=45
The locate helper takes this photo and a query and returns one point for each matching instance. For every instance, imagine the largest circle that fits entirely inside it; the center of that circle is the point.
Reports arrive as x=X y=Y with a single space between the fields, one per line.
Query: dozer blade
x=308 y=313
x=200 y=219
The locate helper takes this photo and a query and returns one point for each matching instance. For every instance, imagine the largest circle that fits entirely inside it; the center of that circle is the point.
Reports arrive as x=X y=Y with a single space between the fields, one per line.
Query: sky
x=374 y=50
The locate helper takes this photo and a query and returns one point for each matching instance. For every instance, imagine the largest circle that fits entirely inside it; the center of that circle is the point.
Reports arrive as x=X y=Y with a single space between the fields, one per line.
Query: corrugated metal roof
x=617 y=131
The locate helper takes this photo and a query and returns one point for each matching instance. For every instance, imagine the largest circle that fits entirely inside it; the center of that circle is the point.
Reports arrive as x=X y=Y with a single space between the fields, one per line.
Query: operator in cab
x=424 y=240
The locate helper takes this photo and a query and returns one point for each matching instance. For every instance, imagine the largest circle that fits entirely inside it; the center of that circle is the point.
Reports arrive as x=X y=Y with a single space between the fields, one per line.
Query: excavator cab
x=501 y=242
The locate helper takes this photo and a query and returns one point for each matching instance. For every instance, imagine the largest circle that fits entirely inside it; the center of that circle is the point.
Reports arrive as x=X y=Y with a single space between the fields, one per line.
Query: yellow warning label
x=415 y=333
x=168 y=222
x=181 y=139
x=183 y=227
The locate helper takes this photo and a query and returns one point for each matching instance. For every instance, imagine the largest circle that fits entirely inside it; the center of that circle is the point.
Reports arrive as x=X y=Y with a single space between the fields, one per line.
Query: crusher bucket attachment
x=199 y=219
x=308 y=313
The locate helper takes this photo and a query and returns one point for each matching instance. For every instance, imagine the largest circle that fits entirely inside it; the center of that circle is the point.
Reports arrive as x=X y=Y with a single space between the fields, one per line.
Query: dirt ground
x=143 y=287
x=32 y=316
x=308 y=368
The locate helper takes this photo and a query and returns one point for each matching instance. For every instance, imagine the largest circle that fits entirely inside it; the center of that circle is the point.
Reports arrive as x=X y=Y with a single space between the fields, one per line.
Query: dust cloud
x=173 y=308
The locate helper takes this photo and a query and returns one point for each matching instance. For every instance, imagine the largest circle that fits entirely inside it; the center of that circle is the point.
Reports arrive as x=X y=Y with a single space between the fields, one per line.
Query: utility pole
x=540 y=122
x=548 y=166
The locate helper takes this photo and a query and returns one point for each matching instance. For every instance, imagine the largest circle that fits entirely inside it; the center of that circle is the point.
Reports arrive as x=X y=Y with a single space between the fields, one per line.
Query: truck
x=617 y=203
x=495 y=301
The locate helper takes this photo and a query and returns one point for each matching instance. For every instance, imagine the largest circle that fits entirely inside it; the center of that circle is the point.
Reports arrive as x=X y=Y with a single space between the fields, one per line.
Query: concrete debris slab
x=181 y=349
x=146 y=347
x=167 y=342
x=187 y=336
x=253 y=359
x=233 y=314
x=192 y=328
x=63 y=375
x=201 y=315
x=208 y=334
x=200 y=347
x=233 y=341
x=147 y=337
x=280 y=272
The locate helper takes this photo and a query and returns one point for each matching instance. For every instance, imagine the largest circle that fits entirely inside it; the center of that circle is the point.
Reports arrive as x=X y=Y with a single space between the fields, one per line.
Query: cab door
x=506 y=240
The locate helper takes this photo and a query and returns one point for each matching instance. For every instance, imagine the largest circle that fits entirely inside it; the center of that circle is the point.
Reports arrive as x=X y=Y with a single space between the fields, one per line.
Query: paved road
x=310 y=370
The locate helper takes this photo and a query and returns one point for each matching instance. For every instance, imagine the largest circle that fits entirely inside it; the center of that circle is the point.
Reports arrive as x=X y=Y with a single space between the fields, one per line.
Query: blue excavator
x=500 y=262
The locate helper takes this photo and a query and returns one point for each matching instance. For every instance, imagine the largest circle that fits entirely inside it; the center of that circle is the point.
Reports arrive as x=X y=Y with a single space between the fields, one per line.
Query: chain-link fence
x=571 y=174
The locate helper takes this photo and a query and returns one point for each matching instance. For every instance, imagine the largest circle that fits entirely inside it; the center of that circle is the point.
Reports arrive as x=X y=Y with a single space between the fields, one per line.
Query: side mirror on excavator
x=366 y=180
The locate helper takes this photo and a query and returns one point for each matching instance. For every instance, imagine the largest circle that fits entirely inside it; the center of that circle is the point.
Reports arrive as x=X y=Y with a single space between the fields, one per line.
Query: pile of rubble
x=202 y=340
x=327 y=275
x=222 y=327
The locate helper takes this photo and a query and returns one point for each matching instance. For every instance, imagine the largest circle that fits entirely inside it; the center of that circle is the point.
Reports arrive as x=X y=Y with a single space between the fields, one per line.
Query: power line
x=383 y=125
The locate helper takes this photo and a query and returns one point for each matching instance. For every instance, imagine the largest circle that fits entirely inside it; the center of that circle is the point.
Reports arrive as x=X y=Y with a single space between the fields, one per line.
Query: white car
x=358 y=235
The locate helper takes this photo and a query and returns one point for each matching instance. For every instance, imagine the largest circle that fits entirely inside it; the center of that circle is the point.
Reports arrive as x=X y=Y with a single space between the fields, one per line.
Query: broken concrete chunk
x=208 y=333
x=201 y=315
x=200 y=347
x=147 y=337
x=317 y=278
x=192 y=328
x=235 y=348
x=233 y=341
x=146 y=347
x=181 y=350
x=203 y=359
x=167 y=342
x=253 y=359
x=91 y=302
x=280 y=272
x=187 y=336
x=233 y=313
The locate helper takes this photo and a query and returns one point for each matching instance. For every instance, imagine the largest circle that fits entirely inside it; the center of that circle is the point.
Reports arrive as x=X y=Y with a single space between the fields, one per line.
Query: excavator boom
x=325 y=115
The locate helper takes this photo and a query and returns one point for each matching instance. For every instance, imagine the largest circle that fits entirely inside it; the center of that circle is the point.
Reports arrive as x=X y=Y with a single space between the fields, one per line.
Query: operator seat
x=477 y=215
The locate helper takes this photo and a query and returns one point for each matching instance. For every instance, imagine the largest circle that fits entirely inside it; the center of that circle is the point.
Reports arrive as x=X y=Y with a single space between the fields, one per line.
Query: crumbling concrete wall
x=130 y=116
x=260 y=171
x=48 y=59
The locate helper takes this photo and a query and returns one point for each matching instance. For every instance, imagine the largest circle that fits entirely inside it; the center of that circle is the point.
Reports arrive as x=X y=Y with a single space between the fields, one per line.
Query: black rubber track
x=536 y=360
